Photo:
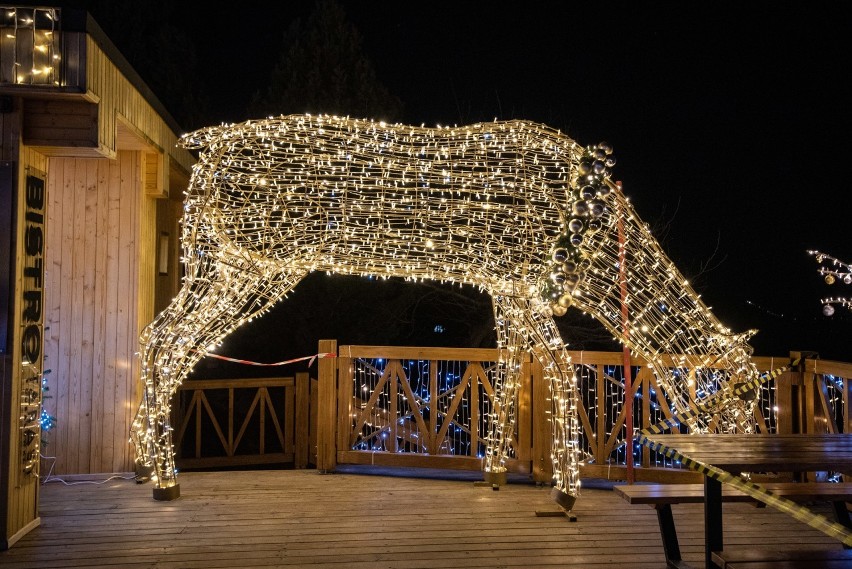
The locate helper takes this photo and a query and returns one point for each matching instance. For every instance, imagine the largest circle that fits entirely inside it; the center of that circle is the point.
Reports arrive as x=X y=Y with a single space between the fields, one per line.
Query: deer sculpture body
x=515 y=208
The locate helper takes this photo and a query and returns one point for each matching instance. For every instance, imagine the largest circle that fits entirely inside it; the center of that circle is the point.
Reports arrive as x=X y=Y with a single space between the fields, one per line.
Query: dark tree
x=322 y=69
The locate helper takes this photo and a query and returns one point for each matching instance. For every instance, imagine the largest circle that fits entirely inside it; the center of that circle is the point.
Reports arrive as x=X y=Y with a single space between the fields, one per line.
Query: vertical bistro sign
x=32 y=322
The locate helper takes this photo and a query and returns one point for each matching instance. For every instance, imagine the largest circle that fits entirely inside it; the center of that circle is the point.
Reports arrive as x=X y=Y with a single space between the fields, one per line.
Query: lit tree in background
x=832 y=270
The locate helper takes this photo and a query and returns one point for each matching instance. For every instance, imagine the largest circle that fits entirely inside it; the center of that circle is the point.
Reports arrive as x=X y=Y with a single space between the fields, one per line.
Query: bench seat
x=663 y=496
x=653 y=494
x=801 y=559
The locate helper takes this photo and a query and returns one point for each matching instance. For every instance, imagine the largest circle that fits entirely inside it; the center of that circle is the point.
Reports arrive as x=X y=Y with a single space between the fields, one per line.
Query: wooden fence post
x=345 y=378
x=795 y=398
x=327 y=407
x=786 y=399
x=523 y=447
x=302 y=420
x=542 y=465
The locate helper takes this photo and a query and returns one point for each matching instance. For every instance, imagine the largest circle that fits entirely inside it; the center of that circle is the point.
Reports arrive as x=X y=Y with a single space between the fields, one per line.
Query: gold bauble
x=558 y=309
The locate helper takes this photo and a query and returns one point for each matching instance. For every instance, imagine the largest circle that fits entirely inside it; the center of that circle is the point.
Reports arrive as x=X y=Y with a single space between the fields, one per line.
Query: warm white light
x=514 y=208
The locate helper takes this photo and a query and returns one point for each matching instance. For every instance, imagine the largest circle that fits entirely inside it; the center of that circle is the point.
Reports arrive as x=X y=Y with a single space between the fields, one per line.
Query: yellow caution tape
x=709 y=402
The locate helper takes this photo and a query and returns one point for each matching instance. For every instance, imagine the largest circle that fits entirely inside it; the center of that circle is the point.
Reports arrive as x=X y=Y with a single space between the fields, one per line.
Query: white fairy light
x=33 y=45
x=514 y=208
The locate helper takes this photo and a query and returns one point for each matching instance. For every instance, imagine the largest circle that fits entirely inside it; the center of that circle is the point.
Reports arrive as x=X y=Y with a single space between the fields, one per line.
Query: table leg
x=669 y=534
x=841 y=513
x=712 y=519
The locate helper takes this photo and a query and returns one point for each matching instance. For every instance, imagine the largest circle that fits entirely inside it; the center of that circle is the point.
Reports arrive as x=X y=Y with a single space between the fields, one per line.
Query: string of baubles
x=838 y=271
x=587 y=213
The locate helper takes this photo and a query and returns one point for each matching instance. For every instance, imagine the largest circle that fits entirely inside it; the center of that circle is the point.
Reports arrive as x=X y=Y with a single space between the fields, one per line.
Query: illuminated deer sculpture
x=514 y=208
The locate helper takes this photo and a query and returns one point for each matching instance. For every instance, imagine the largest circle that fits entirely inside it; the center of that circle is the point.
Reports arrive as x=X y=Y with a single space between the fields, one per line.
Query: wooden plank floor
x=352 y=520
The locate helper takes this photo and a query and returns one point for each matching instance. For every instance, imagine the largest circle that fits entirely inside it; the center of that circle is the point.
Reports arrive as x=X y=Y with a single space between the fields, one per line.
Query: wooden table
x=738 y=454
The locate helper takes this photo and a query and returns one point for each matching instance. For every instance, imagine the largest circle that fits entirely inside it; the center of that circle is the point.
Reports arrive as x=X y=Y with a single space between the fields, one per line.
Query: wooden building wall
x=99 y=266
x=109 y=207
x=107 y=151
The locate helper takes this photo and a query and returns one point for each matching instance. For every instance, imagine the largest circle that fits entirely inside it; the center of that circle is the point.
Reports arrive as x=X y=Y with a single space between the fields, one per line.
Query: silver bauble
x=560 y=255
x=828 y=309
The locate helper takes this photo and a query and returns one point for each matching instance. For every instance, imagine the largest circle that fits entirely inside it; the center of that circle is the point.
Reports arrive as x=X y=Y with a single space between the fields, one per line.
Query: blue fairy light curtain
x=421 y=406
x=514 y=208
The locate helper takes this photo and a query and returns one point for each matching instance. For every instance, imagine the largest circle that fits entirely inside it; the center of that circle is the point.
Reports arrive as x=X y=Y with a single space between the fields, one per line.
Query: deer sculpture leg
x=524 y=325
x=213 y=302
x=511 y=348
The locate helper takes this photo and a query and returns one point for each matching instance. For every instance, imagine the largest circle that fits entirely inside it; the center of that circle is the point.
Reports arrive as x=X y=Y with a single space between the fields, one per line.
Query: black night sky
x=730 y=120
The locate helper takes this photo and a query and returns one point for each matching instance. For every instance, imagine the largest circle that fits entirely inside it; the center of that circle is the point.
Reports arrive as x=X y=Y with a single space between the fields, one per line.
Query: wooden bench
x=662 y=496
x=761 y=559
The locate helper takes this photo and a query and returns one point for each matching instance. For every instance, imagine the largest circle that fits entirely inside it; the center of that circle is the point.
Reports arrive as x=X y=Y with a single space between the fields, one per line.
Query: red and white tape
x=285 y=362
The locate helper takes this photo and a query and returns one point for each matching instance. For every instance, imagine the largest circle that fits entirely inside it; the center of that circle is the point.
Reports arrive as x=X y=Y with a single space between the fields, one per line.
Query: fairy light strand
x=514 y=208
x=31 y=38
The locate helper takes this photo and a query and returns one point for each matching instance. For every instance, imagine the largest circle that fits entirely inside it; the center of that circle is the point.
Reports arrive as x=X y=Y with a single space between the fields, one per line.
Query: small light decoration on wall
x=833 y=270
x=514 y=208
x=30 y=43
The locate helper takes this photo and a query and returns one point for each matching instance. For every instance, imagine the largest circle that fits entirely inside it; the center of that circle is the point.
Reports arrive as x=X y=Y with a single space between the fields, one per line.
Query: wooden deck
x=366 y=519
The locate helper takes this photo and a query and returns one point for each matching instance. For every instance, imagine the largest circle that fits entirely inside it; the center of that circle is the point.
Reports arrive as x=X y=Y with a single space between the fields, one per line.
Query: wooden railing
x=429 y=407
x=414 y=407
x=816 y=398
x=240 y=422
x=398 y=404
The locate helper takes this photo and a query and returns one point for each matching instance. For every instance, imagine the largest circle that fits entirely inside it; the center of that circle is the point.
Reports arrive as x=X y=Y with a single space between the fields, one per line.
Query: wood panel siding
x=99 y=295
x=54 y=126
x=121 y=101
x=169 y=212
